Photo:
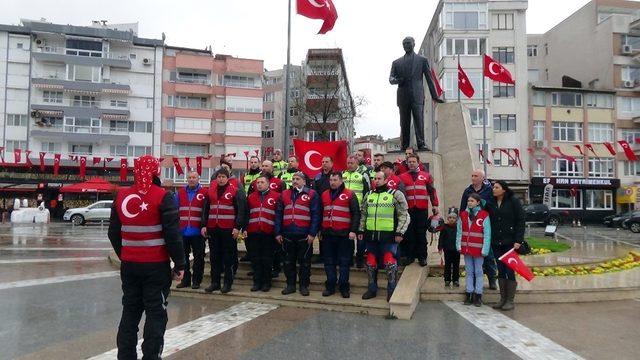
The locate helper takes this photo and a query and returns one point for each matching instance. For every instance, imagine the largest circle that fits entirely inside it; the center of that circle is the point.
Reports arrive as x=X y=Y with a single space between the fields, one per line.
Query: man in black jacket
x=340 y=222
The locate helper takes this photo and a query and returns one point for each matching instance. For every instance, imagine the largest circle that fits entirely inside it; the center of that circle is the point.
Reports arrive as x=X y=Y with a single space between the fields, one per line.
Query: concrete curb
x=406 y=296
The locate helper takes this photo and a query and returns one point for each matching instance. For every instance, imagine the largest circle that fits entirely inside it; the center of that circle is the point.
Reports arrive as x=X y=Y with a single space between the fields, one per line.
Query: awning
x=96 y=185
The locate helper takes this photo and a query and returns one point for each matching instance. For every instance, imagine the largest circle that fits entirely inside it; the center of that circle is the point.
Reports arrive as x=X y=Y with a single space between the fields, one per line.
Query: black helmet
x=436 y=224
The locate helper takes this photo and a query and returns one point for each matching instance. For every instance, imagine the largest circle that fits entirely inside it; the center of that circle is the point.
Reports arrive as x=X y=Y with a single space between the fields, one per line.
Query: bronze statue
x=407 y=73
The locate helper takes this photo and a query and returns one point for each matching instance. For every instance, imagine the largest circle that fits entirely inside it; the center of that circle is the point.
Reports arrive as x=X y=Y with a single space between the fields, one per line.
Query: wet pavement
x=60 y=299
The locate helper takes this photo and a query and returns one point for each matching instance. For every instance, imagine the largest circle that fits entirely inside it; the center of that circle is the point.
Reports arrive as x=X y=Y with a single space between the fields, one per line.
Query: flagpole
x=433 y=126
x=485 y=150
x=285 y=135
x=458 y=79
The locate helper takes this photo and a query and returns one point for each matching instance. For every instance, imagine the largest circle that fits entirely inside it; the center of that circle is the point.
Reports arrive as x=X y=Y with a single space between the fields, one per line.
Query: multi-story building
x=90 y=91
x=466 y=30
x=567 y=119
x=212 y=105
x=273 y=114
x=599 y=46
x=374 y=143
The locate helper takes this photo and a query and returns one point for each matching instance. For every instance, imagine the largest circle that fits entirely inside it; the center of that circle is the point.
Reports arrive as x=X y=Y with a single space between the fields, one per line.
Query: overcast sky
x=369 y=32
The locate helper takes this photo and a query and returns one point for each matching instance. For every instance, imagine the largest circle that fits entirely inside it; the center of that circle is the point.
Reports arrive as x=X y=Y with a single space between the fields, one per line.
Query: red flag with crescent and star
x=312 y=152
x=56 y=163
x=42 y=154
x=512 y=260
x=319 y=9
x=610 y=147
x=436 y=82
x=124 y=163
x=83 y=166
x=464 y=84
x=628 y=152
x=496 y=72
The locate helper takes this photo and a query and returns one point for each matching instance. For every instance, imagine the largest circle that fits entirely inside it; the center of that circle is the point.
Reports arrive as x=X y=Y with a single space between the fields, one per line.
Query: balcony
x=81 y=134
x=58 y=82
x=193 y=86
x=60 y=55
x=83 y=108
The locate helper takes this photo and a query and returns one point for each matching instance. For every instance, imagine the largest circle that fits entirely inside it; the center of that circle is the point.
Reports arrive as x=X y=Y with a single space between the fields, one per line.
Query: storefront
x=628 y=198
x=584 y=199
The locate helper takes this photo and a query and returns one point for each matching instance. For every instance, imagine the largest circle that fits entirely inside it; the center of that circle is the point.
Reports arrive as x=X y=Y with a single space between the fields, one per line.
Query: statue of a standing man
x=407 y=73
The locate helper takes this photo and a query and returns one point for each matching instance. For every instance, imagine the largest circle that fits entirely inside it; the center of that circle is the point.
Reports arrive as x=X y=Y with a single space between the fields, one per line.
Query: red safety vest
x=335 y=213
x=297 y=213
x=190 y=212
x=472 y=236
x=275 y=184
x=416 y=191
x=141 y=231
x=262 y=213
x=392 y=183
x=222 y=214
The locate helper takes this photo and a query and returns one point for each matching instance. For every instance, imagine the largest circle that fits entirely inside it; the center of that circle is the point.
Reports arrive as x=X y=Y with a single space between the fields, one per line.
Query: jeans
x=382 y=255
x=337 y=251
x=504 y=272
x=473 y=267
x=489 y=266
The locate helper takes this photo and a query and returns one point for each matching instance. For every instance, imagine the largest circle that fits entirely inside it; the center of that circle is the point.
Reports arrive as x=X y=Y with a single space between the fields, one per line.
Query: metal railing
x=101 y=104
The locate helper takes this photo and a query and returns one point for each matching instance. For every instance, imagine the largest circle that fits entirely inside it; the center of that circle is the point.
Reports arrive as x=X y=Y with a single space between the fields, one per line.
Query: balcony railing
x=98 y=104
x=63 y=76
x=194 y=81
x=87 y=53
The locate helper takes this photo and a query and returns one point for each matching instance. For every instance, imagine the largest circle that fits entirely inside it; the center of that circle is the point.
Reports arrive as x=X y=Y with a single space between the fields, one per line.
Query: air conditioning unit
x=628 y=84
x=40 y=43
x=539 y=144
x=626 y=49
x=146 y=61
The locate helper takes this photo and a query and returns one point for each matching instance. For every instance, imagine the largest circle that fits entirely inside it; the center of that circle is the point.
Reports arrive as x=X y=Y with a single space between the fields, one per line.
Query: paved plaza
x=61 y=300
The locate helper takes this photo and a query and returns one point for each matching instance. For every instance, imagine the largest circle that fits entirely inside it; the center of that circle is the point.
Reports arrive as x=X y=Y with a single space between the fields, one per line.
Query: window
x=171 y=101
x=599 y=100
x=118 y=126
x=141 y=126
x=268 y=97
x=243 y=128
x=193 y=125
x=628 y=106
x=630 y=73
x=566 y=99
x=538 y=98
x=295 y=94
x=171 y=124
x=132 y=56
x=599 y=199
x=293 y=132
x=503 y=157
x=52 y=97
x=129 y=150
x=240 y=81
x=85 y=101
x=119 y=103
x=51 y=147
x=52 y=121
x=20 y=45
x=504 y=122
x=563 y=167
x=243 y=104
x=477 y=116
x=631 y=168
x=15 y=144
x=16 y=120
x=186 y=149
x=562 y=199
x=82 y=125
x=567 y=131
x=190 y=102
x=451 y=85
x=631 y=136
x=538 y=167
x=83 y=73
x=192 y=77
x=532 y=50
x=293 y=111
x=502 y=21
x=501 y=90
x=267 y=134
x=84 y=48
x=464 y=16
x=465 y=20
x=504 y=55
x=546 y=49
x=538 y=130
x=481 y=159
x=81 y=149
x=464 y=46
x=600 y=132
x=633 y=41
x=268 y=115
x=317 y=136
x=602 y=168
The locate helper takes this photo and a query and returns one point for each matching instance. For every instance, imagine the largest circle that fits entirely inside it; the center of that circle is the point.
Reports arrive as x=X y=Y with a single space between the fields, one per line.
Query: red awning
x=96 y=185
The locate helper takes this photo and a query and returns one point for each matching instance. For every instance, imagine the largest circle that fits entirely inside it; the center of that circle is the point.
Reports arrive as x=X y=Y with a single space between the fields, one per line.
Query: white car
x=98 y=211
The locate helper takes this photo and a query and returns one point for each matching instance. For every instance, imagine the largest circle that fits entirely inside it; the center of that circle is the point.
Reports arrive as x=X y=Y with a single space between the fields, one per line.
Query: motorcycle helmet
x=436 y=224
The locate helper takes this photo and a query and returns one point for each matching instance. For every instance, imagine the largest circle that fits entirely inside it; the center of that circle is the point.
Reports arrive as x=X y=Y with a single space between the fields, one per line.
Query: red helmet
x=436 y=224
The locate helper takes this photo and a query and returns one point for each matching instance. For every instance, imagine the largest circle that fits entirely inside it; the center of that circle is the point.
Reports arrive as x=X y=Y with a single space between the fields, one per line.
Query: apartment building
x=273 y=115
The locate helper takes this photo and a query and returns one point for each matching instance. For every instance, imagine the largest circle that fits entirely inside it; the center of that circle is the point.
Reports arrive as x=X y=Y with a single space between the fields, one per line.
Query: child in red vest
x=473 y=239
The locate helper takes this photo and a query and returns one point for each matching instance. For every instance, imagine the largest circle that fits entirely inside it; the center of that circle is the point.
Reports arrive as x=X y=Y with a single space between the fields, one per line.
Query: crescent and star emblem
x=273 y=186
x=271 y=201
x=200 y=197
x=491 y=68
x=307 y=160
x=421 y=177
x=342 y=197
x=304 y=197
x=227 y=196
x=391 y=183
x=125 y=203
x=314 y=3
x=515 y=262
x=479 y=222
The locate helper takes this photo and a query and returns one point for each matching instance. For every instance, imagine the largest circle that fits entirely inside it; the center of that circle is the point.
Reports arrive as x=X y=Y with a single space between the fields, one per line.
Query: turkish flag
x=579 y=149
x=199 y=165
x=464 y=84
x=123 y=169
x=628 y=151
x=590 y=147
x=96 y=160
x=42 y=154
x=637 y=140
x=506 y=152
x=27 y=160
x=246 y=154
x=313 y=152
x=610 y=147
x=436 y=82
x=187 y=163
x=496 y=72
x=565 y=156
x=17 y=155
x=106 y=160
x=512 y=260
x=551 y=155
x=518 y=159
x=483 y=157
x=319 y=9
x=56 y=163
x=83 y=166
x=176 y=164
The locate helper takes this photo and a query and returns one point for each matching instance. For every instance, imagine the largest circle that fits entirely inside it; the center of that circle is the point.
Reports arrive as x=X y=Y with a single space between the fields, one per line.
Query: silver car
x=98 y=211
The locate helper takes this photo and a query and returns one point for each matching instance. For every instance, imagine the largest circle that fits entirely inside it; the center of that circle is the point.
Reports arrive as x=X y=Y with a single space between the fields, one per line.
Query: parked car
x=541 y=213
x=617 y=219
x=98 y=211
x=633 y=222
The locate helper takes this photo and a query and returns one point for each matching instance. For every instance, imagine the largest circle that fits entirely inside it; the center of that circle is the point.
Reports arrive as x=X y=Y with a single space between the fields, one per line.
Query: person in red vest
x=393 y=180
x=222 y=220
x=190 y=200
x=340 y=222
x=298 y=216
x=473 y=240
x=275 y=183
x=144 y=231
x=260 y=220
x=403 y=167
x=418 y=189
x=227 y=165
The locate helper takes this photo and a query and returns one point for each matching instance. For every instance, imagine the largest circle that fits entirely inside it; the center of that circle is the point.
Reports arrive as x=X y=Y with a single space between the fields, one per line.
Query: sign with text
x=590 y=183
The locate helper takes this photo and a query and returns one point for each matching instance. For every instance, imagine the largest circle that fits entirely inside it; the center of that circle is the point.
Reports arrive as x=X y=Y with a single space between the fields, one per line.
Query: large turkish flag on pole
x=512 y=260
x=319 y=9
x=496 y=72
x=311 y=154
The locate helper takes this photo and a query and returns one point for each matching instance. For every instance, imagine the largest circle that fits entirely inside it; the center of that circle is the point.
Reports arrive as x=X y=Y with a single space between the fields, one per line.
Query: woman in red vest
x=473 y=240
